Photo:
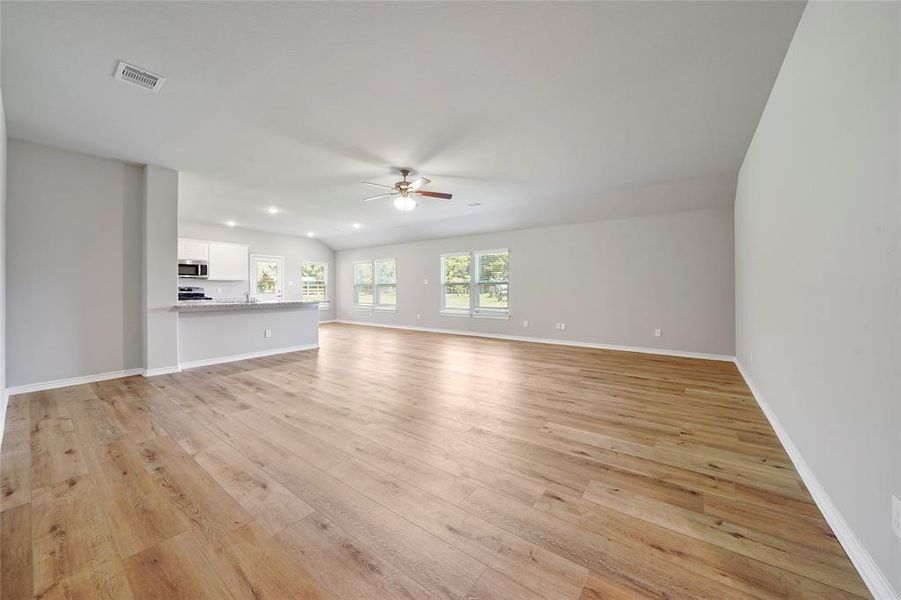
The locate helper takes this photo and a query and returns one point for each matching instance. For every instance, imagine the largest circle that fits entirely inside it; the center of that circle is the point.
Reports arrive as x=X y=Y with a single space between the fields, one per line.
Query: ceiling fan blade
x=419 y=183
x=390 y=187
x=379 y=196
x=436 y=195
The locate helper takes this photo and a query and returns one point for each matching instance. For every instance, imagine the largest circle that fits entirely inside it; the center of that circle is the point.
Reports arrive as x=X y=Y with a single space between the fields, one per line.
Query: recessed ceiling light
x=272 y=210
x=357 y=225
x=230 y=223
x=310 y=234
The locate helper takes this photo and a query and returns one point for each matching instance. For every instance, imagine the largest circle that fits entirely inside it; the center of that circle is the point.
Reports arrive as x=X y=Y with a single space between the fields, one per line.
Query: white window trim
x=455 y=312
x=375 y=306
x=357 y=305
x=325 y=304
x=252 y=276
x=375 y=287
x=477 y=311
x=474 y=311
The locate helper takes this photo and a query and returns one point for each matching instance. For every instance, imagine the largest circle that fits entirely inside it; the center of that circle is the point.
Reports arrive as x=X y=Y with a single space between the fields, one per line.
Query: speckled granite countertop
x=218 y=305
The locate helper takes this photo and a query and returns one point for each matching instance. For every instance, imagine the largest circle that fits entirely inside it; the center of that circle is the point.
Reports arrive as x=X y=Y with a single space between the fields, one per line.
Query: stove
x=189 y=292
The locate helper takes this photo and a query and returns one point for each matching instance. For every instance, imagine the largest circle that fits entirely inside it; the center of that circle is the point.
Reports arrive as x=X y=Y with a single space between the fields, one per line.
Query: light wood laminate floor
x=396 y=464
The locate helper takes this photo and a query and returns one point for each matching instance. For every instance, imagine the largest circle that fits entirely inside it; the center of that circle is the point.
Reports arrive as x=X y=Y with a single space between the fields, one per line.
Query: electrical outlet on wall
x=525 y=323
x=896 y=515
x=425 y=282
x=658 y=332
x=267 y=333
x=418 y=316
x=562 y=326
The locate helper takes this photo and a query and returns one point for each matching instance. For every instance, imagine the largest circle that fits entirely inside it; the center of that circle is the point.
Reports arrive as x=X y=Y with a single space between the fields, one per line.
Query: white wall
x=3 y=397
x=160 y=228
x=611 y=282
x=215 y=336
x=74 y=264
x=817 y=261
x=294 y=249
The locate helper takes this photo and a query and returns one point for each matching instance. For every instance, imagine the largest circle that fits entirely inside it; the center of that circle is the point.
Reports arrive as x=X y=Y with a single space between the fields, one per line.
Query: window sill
x=362 y=307
x=502 y=316
x=385 y=309
x=454 y=313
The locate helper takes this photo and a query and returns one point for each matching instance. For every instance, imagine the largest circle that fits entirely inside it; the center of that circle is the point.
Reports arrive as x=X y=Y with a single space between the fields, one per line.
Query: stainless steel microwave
x=195 y=269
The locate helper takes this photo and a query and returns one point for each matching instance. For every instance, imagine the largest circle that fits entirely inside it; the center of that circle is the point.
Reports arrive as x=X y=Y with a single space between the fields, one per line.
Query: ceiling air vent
x=139 y=77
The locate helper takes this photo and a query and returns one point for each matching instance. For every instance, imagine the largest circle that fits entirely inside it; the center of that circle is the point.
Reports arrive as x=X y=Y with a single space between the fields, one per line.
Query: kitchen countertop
x=218 y=305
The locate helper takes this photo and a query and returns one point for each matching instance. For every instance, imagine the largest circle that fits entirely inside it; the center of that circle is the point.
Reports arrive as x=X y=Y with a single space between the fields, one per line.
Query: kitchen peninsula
x=218 y=331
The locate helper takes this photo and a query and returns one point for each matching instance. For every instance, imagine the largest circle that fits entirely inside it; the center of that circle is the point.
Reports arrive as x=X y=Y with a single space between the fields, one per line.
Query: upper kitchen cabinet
x=193 y=250
x=228 y=262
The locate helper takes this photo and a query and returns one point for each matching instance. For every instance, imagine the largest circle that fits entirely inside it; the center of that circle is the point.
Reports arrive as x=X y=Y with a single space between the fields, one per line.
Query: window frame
x=356 y=284
x=375 y=304
x=488 y=312
x=376 y=293
x=325 y=303
x=459 y=312
x=474 y=309
x=252 y=281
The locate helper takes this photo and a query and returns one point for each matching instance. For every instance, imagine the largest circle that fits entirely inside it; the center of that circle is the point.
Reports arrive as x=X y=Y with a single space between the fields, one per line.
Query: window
x=492 y=275
x=386 y=283
x=314 y=282
x=363 y=283
x=476 y=283
x=375 y=284
x=455 y=280
x=266 y=276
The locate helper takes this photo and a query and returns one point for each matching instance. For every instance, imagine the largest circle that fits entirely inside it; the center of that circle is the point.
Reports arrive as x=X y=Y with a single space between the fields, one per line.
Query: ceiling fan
x=404 y=192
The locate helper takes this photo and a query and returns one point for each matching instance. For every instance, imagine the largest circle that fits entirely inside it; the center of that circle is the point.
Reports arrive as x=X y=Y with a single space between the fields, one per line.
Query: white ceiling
x=544 y=113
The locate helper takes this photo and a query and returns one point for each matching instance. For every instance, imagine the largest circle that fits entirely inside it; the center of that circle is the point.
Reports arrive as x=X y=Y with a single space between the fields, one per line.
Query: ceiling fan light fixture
x=404 y=203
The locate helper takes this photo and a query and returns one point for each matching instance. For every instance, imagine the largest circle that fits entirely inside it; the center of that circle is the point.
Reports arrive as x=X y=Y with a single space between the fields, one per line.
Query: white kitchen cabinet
x=228 y=262
x=193 y=250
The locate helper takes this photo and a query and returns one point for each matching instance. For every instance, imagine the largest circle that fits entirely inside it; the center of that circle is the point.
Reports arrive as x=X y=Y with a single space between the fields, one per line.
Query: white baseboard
x=3 y=405
x=328 y=321
x=519 y=338
x=235 y=357
x=59 y=383
x=872 y=575
x=161 y=371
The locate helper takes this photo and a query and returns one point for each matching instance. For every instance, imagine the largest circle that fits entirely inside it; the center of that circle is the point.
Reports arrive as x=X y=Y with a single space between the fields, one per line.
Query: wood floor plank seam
x=439 y=467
